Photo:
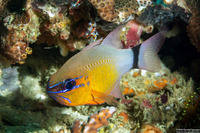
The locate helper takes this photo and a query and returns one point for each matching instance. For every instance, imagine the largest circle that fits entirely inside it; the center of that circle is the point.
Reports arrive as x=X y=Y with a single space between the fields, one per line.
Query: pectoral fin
x=100 y=96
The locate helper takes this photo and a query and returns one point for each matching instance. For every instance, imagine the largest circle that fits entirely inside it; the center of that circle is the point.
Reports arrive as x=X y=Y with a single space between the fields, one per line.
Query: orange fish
x=92 y=76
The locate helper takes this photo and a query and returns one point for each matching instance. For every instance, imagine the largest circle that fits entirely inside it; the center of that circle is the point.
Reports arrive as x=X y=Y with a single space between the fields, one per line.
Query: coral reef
x=47 y=31
x=193 y=28
x=96 y=121
x=3 y=3
x=188 y=116
x=151 y=83
x=154 y=96
x=130 y=35
x=47 y=22
x=150 y=129
x=160 y=15
x=117 y=10
x=72 y=25
x=21 y=32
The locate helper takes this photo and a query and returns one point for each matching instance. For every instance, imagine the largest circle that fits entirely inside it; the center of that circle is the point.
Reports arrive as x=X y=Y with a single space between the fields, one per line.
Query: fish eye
x=68 y=84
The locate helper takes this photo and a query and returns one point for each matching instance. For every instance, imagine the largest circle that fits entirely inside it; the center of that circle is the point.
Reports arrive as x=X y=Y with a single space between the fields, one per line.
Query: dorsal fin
x=113 y=38
x=96 y=43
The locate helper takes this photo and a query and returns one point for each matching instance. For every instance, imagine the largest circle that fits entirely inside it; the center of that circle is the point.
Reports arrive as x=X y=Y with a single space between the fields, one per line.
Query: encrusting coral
x=157 y=98
x=191 y=105
x=160 y=15
x=193 y=28
x=73 y=24
x=48 y=22
x=96 y=121
x=117 y=10
x=150 y=129
x=3 y=4
x=21 y=32
x=149 y=82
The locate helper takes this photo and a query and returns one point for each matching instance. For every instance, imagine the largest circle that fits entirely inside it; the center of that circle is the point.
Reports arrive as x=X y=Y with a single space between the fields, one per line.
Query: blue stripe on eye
x=66 y=99
x=53 y=85
x=62 y=91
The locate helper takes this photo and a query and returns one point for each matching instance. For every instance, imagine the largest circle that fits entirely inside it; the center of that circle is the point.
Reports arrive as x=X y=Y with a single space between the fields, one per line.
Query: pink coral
x=130 y=35
x=96 y=121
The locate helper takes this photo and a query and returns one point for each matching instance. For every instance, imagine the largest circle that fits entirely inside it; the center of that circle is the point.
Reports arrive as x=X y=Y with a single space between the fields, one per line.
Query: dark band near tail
x=136 y=51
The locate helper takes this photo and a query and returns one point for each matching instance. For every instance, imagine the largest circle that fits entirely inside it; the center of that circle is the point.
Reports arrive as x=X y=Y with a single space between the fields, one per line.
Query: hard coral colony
x=118 y=82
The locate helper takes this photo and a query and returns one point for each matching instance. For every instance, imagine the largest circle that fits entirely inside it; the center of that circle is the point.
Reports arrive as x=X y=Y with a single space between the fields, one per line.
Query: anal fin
x=105 y=97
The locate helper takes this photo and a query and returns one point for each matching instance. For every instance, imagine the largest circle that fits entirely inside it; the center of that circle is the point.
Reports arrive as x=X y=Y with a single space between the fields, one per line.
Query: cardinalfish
x=92 y=76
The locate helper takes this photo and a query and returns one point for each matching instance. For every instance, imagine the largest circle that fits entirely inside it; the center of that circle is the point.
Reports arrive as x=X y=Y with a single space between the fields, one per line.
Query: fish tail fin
x=148 y=58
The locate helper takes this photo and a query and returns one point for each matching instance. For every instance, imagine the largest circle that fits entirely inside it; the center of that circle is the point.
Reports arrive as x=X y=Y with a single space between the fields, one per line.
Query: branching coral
x=96 y=121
